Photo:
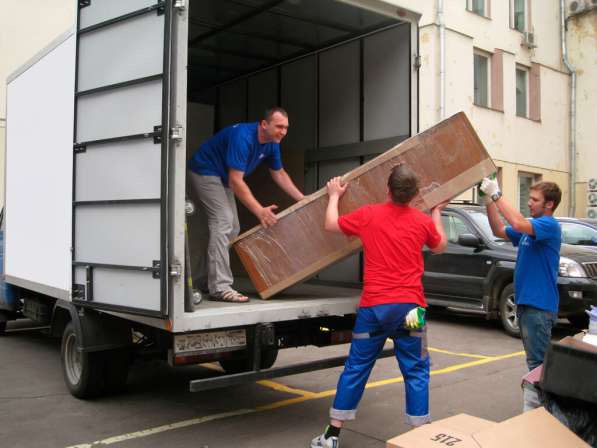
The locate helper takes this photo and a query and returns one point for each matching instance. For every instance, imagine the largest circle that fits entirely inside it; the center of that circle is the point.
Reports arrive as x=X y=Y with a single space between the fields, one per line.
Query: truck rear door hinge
x=175 y=270
x=180 y=5
x=157 y=134
x=84 y=3
x=176 y=133
x=417 y=62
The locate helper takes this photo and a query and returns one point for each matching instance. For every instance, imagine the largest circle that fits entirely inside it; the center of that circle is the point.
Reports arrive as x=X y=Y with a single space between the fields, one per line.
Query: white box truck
x=100 y=126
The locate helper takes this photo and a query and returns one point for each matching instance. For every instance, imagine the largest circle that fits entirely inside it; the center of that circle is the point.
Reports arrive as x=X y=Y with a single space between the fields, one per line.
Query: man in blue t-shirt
x=217 y=171
x=537 y=264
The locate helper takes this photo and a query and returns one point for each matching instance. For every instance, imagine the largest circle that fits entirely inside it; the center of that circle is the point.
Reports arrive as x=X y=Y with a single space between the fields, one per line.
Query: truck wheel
x=580 y=321
x=91 y=374
x=81 y=370
x=231 y=366
x=508 y=311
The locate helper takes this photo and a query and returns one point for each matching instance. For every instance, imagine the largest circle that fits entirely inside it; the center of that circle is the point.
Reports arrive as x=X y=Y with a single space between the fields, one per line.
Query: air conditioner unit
x=576 y=7
x=592 y=212
x=592 y=183
x=528 y=40
x=592 y=198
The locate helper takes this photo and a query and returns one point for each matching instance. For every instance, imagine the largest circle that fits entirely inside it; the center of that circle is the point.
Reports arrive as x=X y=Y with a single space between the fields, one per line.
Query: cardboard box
x=533 y=429
x=453 y=431
x=449 y=158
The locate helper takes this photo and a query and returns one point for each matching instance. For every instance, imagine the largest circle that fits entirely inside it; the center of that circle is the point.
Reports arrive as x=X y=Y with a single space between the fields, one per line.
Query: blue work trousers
x=535 y=332
x=373 y=326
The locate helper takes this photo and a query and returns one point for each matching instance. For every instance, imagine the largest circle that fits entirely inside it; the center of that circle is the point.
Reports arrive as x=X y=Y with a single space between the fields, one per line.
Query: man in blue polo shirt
x=217 y=171
x=537 y=264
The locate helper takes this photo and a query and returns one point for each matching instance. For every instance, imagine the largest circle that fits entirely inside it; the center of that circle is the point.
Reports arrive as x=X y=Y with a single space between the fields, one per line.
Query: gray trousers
x=219 y=205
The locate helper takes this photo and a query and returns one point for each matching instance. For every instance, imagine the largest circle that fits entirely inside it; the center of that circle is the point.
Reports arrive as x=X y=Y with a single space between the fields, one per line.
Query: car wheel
x=2 y=327
x=508 y=311
x=580 y=321
x=231 y=366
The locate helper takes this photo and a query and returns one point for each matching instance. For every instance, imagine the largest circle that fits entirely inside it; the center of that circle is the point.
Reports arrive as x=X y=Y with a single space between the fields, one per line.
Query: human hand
x=489 y=187
x=336 y=187
x=415 y=318
x=440 y=207
x=267 y=217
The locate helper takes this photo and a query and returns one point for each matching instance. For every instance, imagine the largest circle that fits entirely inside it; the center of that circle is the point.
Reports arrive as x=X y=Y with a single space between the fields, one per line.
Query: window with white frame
x=522 y=91
x=518 y=15
x=480 y=7
x=481 y=78
x=525 y=180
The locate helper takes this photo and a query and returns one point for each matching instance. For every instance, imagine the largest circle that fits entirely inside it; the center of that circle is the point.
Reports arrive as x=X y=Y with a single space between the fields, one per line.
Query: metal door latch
x=176 y=133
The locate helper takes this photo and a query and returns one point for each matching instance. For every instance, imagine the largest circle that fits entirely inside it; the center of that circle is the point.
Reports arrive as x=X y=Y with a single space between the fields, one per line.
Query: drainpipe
x=572 y=70
x=442 y=59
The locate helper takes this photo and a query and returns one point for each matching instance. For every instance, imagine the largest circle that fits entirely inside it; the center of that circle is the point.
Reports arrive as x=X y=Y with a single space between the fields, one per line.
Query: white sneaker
x=322 y=442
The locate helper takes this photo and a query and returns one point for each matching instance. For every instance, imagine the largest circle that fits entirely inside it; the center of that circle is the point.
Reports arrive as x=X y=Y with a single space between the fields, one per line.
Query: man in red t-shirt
x=393 y=235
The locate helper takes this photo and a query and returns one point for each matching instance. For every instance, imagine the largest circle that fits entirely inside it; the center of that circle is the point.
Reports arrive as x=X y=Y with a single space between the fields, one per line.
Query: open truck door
x=120 y=215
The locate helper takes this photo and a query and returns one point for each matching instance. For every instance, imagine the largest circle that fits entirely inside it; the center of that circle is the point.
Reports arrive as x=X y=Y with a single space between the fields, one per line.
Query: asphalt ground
x=476 y=369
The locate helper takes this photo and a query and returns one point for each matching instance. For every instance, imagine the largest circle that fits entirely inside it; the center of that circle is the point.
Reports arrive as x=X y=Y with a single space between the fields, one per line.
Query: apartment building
x=500 y=61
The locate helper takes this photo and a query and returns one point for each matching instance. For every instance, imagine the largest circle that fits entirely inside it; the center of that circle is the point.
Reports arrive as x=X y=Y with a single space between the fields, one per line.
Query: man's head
x=403 y=184
x=273 y=126
x=544 y=198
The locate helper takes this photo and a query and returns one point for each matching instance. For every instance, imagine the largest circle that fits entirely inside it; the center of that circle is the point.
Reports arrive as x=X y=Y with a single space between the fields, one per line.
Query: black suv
x=476 y=272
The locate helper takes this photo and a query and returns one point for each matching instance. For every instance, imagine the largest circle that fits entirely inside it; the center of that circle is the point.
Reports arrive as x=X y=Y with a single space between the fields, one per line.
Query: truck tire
x=580 y=321
x=268 y=358
x=92 y=374
x=508 y=311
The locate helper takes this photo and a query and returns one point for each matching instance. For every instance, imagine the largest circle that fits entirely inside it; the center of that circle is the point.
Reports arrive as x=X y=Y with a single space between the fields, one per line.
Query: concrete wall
x=26 y=27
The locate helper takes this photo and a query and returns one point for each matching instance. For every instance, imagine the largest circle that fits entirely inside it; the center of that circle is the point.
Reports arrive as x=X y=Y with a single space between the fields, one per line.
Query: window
x=578 y=234
x=525 y=180
x=480 y=7
x=454 y=226
x=518 y=13
x=522 y=80
x=481 y=79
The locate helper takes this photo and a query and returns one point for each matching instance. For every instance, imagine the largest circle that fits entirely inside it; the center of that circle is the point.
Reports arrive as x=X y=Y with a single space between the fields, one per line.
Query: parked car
x=476 y=272
x=579 y=232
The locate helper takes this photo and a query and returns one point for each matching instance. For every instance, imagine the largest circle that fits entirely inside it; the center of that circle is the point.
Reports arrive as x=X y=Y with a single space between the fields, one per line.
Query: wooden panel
x=449 y=159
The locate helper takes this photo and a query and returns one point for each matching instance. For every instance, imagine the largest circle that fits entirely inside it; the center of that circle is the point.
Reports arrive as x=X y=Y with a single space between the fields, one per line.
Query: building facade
x=499 y=61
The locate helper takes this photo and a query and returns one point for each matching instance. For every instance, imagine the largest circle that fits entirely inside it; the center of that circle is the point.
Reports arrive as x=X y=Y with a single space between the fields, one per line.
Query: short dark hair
x=267 y=116
x=403 y=184
x=550 y=190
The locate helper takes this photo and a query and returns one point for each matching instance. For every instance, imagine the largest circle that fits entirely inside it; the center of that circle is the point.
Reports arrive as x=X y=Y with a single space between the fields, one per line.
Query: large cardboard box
x=449 y=158
x=453 y=431
x=533 y=429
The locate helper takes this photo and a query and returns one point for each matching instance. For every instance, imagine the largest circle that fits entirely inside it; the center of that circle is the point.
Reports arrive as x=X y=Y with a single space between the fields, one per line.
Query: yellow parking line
x=284 y=388
x=467 y=355
x=306 y=396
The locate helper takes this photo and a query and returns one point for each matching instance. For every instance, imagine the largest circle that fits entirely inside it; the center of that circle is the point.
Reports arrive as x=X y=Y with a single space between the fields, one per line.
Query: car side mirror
x=469 y=240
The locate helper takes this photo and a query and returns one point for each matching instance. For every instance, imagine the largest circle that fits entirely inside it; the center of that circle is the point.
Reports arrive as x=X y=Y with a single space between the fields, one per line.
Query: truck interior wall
x=351 y=93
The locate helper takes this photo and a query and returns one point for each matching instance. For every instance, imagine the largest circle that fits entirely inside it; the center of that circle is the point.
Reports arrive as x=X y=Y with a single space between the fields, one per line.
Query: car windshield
x=480 y=218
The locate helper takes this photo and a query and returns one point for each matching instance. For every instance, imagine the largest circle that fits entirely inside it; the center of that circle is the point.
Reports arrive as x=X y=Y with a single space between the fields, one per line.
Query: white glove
x=412 y=319
x=489 y=187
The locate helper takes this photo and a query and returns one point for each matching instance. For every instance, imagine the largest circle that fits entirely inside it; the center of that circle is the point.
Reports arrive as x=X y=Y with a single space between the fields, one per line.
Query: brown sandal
x=230 y=295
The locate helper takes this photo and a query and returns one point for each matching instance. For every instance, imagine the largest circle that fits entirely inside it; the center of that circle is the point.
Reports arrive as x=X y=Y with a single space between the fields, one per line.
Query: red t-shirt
x=393 y=237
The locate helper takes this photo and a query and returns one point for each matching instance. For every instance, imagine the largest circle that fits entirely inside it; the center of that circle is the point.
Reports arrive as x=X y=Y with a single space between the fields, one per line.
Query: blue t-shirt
x=235 y=147
x=537 y=264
